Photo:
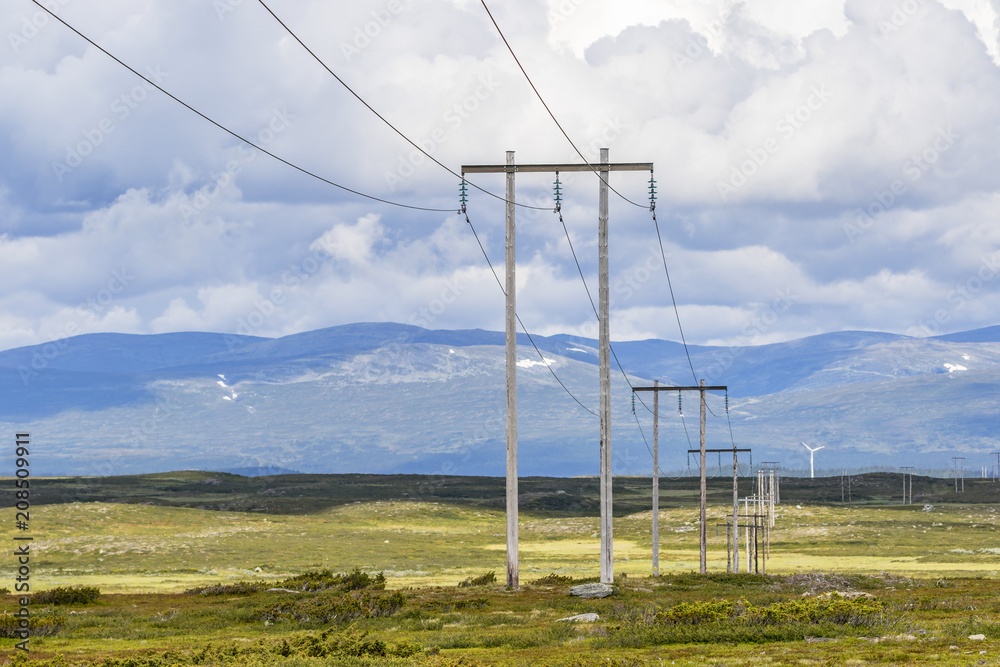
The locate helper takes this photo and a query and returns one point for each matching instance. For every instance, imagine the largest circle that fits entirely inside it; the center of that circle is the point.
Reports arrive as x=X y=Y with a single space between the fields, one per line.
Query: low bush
x=321 y=580
x=553 y=580
x=482 y=580
x=67 y=595
x=314 y=580
x=42 y=625
x=239 y=588
x=328 y=608
x=740 y=621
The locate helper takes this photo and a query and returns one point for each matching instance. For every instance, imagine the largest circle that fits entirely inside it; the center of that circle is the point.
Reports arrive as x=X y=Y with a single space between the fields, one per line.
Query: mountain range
x=392 y=398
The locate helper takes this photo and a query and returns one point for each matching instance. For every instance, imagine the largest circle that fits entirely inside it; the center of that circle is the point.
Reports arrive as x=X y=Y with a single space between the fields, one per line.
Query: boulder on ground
x=581 y=618
x=592 y=590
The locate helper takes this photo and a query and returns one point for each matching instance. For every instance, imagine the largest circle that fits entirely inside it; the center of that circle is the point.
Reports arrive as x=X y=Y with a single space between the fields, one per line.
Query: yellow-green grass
x=144 y=548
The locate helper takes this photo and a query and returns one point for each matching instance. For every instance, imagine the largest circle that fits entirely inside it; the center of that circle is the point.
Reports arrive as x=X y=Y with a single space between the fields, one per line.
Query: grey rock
x=592 y=590
x=581 y=618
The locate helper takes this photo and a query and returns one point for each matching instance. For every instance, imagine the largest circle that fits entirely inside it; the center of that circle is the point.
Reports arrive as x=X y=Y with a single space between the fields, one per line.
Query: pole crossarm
x=710 y=388
x=548 y=168
x=718 y=451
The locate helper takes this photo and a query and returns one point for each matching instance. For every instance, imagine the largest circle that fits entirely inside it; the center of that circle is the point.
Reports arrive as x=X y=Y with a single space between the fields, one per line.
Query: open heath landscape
x=200 y=568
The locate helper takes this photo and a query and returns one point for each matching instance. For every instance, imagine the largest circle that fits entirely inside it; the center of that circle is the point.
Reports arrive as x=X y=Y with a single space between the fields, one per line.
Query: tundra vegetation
x=196 y=568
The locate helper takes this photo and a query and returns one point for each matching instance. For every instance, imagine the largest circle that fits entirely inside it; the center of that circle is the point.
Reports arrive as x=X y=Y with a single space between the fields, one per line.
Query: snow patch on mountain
x=531 y=363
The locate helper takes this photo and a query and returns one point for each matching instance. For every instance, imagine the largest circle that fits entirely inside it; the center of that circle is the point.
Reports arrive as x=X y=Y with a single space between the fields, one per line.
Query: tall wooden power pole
x=511 y=349
x=604 y=306
x=603 y=169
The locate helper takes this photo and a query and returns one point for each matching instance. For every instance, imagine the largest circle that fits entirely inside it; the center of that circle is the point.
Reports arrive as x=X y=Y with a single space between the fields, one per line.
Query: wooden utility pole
x=604 y=306
x=703 y=507
x=656 y=479
x=603 y=169
x=956 y=459
x=734 y=563
x=907 y=472
x=511 y=364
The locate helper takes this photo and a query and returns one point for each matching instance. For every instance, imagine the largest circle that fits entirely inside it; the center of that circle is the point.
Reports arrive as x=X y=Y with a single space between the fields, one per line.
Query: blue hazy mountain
x=400 y=399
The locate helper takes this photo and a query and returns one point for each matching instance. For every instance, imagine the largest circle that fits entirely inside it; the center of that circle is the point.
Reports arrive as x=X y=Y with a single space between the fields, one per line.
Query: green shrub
x=326 y=608
x=553 y=580
x=482 y=580
x=42 y=625
x=690 y=613
x=349 y=643
x=740 y=621
x=314 y=580
x=67 y=595
x=320 y=580
x=239 y=588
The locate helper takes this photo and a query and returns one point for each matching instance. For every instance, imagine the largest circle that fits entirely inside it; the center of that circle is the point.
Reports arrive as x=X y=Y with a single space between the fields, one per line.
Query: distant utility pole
x=604 y=169
x=956 y=459
x=656 y=479
x=774 y=467
x=907 y=472
x=996 y=468
x=701 y=388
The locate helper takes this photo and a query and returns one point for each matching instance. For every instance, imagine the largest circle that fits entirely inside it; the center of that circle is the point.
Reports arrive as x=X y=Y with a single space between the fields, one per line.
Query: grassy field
x=931 y=569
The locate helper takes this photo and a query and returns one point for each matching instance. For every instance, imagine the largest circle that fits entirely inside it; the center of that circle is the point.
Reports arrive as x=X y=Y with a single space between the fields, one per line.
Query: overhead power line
x=673 y=299
x=231 y=132
x=552 y=115
x=523 y=328
x=380 y=116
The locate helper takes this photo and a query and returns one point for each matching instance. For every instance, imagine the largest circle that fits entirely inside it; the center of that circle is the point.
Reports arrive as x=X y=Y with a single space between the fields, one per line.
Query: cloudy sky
x=821 y=166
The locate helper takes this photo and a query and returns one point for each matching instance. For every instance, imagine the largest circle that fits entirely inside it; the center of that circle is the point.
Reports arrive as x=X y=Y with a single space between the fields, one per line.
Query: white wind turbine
x=812 y=454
